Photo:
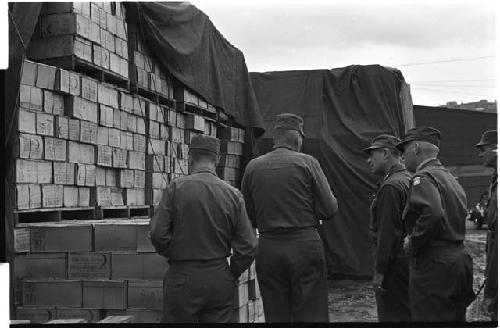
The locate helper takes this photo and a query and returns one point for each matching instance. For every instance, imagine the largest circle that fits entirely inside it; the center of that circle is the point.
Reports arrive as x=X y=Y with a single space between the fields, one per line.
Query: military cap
x=488 y=138
x=290 y=121
x=383 y=141
x=421 y=133
x=207 y=143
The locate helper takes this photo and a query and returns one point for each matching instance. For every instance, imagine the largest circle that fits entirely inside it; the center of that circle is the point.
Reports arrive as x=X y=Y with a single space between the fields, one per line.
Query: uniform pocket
x=175 y=282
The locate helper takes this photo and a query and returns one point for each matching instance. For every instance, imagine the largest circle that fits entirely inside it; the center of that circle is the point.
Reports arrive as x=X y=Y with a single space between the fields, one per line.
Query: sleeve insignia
x=416 y=181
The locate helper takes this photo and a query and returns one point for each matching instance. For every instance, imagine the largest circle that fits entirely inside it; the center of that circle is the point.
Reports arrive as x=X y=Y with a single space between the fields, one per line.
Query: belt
x=209 y=261
x=287 y=230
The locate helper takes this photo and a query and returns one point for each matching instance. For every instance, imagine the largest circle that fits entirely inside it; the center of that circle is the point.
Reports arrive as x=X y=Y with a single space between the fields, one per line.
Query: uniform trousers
x=291 y=270
x=441 y=284
x=393 y=302
x=198 y=292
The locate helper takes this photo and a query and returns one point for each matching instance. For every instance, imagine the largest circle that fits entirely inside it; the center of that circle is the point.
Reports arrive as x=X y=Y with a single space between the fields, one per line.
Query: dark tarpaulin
x=185 y=41
x=343 y=109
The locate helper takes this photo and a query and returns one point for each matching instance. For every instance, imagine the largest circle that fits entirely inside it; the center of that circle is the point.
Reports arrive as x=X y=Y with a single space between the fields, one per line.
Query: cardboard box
x=55 y=149
x=124 y=118
x=176 y=134
x=81 y=153
x=156 y=180
x=35 y=102
x=74 y=129
x=154 y=129
x=57 y=237
x=100 y=176
x=22 y=240
x=61 y=127
x=89 y=89
x=52 y=196
x=145 y=294
x=82 y=109
x=74 y=84
x=129 y=140
x=70 y=198
x=155 y=147
x=195 y=122
x=114 y=138
x=139 y=143
x=105 y=294
x=139 y=106
x=26 y=171
x=102 y=136
x=100 y=196
x=134 y=197
x=30 y=146
x=35 y=314
x=115 y=237
x=131 y=124
x=27 y=122
x=111 y=177
x=83 y=197
x=104 y=156
x=40 y=266
x=126 y=102
x=22 y=196
x=46 y=77
x=144 y=244
x=139 y=179
x=119 y=158
x=144 y=266
x=90 y=175
x=60 y=46
x=29 y=71
x=44 y=124
x=89 y=315
x=106 y=115
x=48 y=101
x=89 y=265
x=64 y=173
x=136 y=160
x=67 y=293
x=114 y=60
x=126 y=179
x=62 y=81
x=35 y=196
x=116 y=197
x=152 y=111
x=64 y=24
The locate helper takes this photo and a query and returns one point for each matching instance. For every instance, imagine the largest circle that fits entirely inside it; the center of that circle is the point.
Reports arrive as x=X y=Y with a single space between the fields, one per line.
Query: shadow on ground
x=354 y=301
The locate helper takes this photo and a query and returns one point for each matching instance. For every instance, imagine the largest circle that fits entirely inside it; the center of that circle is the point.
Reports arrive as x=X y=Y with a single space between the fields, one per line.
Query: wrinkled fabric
x=343 y=110
x=184 y=40
x=491 y=286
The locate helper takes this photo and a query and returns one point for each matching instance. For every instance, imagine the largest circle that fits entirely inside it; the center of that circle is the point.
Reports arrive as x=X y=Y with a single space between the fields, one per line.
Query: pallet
x=151 y=95
x=54 y=214
x=82 y=66
x=185 y=107
x=122 y=212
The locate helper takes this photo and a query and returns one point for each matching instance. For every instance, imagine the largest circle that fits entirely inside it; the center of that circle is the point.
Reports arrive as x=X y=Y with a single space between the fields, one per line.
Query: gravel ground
x=354 y=301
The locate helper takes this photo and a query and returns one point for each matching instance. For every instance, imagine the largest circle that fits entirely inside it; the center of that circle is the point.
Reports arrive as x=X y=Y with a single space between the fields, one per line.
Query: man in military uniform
x=387 y=229
x=286 y=194
x=440 y=268
x=199 y=219
x=488 y=153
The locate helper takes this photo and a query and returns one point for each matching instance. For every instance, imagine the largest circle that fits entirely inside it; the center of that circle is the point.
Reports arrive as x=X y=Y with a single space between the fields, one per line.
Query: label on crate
x=80 y=174
x=89 y=265
x=74 y=84
x=70 y=196
x=44 y=124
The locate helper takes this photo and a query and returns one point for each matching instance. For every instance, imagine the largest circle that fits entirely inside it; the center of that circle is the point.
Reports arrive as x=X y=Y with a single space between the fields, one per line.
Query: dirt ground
x=354 y=300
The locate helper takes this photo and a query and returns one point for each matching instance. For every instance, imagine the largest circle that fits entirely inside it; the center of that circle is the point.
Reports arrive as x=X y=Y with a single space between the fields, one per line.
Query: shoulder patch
x=416 y=181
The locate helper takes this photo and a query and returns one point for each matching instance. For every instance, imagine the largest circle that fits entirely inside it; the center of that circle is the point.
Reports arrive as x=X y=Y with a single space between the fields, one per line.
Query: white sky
x=289 y=35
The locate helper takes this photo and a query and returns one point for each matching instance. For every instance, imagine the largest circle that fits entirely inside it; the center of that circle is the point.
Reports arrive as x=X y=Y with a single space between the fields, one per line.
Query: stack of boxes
x=84 y=143
x=92 y=32
x=248 y=305
x=89 y=269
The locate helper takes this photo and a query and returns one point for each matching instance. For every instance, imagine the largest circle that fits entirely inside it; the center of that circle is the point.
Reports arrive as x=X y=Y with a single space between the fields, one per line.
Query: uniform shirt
x=201 y=217
x=386 y=225
x=287 y=189
x=491 y=287
x=436 y=208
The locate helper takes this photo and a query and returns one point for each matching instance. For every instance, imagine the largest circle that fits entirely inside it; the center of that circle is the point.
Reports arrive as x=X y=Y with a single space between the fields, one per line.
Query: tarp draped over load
x=185 y=41
x=343 y=109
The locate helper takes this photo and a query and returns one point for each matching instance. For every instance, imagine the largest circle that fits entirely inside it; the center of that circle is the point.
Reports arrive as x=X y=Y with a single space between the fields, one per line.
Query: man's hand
x=406 y=245
x=378 y=278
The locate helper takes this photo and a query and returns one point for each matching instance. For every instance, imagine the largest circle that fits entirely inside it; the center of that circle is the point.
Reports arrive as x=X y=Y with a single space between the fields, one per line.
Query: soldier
x=286 y=193
x=387 y=229
x=488 y=153
x=440 y=268
x=199 y=219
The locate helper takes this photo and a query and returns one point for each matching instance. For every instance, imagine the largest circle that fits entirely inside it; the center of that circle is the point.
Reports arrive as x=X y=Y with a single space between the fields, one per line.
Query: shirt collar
x=393 y=169
x=424 y=163
x=282 y=146
x=204 y=170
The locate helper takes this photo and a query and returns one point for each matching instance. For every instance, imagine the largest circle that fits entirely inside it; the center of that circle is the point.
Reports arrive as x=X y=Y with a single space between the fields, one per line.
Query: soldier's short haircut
x=202 y=155
x=285 y=136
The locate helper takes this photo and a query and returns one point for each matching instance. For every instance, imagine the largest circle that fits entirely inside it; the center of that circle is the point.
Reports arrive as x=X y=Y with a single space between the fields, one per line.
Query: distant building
x=460 y=131
x=479 y=106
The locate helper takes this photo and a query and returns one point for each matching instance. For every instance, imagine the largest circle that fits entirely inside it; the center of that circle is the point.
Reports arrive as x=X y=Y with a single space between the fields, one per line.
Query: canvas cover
x=343 y=109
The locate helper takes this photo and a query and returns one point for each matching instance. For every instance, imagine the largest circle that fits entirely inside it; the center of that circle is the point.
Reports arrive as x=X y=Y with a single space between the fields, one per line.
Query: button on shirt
x=436 y=208
x=287 y=189
x=200 y=217
x=387 y=227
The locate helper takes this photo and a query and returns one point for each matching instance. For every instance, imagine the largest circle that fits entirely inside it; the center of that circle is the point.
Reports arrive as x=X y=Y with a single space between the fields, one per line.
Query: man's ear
x=416 y=148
